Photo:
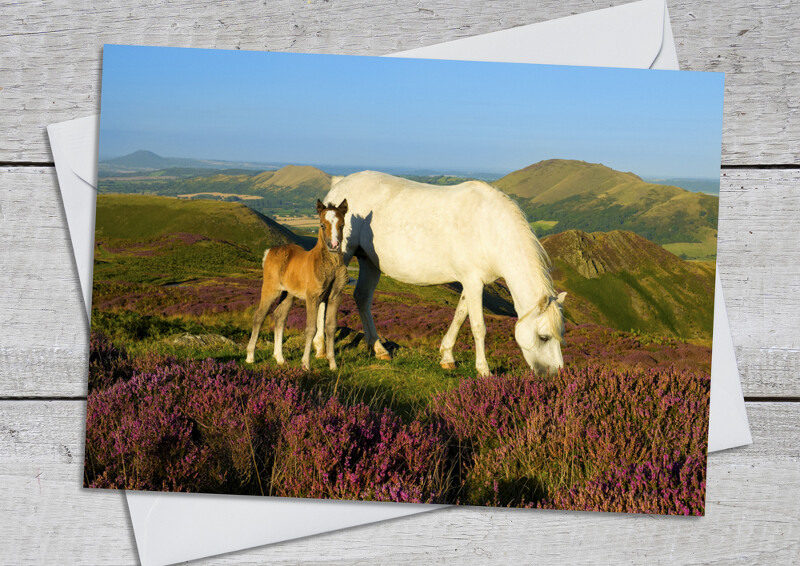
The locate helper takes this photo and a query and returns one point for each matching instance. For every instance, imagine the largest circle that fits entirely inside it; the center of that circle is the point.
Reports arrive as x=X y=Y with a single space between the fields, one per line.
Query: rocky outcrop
x=592 y=255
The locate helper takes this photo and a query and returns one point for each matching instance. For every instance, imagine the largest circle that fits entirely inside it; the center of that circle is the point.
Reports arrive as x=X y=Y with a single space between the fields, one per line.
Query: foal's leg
x=268 y=295
x=449 y=340
x=368 y=277
x=280 y=314
x=319 y=339
x=474 y=293
x=312 y=306
x=334 y=301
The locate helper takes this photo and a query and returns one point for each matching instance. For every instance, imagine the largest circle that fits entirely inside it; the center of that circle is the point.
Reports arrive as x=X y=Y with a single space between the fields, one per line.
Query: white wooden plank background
x=50 y=71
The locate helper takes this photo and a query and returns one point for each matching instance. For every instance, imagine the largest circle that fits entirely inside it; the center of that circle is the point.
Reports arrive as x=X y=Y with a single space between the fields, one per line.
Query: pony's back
x=407 y=226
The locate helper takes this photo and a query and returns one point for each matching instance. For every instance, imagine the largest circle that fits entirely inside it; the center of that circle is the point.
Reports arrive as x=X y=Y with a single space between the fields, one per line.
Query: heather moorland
x=172 y=405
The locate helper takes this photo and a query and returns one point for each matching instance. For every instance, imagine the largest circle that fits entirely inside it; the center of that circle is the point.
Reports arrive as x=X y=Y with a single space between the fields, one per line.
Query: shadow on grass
x=350 y=339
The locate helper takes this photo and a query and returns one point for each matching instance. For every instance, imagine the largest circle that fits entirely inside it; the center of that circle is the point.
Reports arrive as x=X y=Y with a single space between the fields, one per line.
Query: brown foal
x=316 y=276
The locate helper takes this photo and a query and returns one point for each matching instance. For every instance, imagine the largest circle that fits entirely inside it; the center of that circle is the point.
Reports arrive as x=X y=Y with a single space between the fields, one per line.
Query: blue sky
x=376 y=112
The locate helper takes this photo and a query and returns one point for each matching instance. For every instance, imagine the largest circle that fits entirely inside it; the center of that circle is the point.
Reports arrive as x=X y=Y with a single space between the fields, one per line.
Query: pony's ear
x=335 y=179
x=320 y=206
x=561 y=296
x=544 y=303
x=343 y=207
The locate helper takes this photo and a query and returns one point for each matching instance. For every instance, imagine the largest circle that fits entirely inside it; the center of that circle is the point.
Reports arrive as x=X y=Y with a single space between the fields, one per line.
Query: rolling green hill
x=593 y=197
x=141 y=217
x=143 y=240
x=293 y=181
x=620 y=279
x=616 y=279
x=290 y=190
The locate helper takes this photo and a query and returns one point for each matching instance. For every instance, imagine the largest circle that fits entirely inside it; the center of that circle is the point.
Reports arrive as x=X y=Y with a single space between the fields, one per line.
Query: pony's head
x=540 y=333
x=331 y=224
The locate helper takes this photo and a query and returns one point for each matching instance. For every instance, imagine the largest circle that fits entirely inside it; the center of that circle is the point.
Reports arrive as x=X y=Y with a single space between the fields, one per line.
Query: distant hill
x=143 y=217
x=292 y=189
x=442 y=180
x=144 y=161
x=293 y=181
x=694 y=184
x=621 y=280
x=560 y=194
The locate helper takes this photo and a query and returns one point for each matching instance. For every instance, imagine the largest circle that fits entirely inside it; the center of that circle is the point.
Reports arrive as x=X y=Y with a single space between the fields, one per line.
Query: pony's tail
x=264 y=259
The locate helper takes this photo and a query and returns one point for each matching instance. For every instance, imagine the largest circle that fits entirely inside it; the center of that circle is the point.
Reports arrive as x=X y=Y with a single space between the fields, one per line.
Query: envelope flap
x=77 y=142
x=622 y=36
x=74 y=147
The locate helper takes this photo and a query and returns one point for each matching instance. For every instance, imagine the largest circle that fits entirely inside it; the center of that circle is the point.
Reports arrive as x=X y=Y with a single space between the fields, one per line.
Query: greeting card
x=287 y=247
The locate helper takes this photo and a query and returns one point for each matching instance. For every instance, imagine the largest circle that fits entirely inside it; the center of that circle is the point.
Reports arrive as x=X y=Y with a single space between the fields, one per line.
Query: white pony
x=471 y=233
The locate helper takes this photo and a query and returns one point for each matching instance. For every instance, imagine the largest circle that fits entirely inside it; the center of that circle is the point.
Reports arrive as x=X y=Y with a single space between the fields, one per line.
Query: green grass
x=541 y=226
x=405 y=384
x=609 y=294
x=173 y=264
x=705 y=250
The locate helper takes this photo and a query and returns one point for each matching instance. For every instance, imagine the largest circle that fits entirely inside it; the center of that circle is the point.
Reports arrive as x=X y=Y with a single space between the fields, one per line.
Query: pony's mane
x=527 y=239
x=555 y=320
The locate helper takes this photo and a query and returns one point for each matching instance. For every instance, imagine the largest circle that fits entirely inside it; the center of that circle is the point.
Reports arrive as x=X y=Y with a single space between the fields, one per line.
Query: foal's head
x=331 y=224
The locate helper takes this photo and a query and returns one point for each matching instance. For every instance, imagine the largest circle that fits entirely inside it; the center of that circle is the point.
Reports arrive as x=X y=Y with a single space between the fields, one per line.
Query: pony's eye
x=544 y=338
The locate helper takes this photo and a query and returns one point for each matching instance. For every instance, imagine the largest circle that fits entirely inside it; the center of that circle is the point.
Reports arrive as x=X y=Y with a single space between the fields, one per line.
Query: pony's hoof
x=332 y=367
x=448 y=365
x=484 y=372
x=250 y=359
x=385 y=356
x=280 y=362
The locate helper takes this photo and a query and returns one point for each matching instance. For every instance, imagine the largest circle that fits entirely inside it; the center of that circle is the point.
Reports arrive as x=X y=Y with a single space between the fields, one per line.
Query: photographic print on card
x=403 y=280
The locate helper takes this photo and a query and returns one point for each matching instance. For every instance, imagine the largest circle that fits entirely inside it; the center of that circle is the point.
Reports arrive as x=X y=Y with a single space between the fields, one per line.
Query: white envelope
x=174 y=527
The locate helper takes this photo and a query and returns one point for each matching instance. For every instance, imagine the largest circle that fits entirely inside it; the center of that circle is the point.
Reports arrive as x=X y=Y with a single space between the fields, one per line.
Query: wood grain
x=749 y=516
x=759 y=263
x=44 y=349
x=50 y=52
x=50 y=71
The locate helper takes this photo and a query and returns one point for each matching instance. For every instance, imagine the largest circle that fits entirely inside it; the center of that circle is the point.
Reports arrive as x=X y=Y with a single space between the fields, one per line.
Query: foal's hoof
x=448 y=365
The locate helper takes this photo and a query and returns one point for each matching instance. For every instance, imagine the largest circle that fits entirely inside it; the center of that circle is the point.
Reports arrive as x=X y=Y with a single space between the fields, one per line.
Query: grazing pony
x=317 y=276
x=471 y=233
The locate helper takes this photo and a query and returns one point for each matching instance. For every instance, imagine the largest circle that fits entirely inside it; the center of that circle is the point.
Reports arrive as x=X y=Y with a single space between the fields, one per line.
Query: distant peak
x=143 y=152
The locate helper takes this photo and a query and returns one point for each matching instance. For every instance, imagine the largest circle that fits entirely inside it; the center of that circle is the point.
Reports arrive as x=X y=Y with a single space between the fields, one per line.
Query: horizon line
x=443 y=171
